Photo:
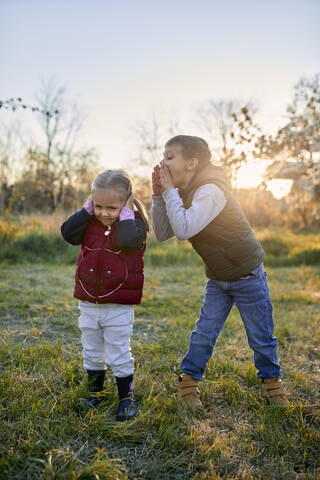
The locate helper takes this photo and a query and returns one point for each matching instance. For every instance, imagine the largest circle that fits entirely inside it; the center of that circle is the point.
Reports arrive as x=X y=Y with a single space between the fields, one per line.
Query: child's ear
x=192 y=163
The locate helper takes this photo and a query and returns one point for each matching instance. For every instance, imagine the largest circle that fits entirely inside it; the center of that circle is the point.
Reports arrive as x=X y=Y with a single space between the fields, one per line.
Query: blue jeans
x=251 y=296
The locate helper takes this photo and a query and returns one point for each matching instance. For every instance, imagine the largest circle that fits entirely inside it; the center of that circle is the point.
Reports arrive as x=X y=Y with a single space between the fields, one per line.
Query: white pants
x=106 y=331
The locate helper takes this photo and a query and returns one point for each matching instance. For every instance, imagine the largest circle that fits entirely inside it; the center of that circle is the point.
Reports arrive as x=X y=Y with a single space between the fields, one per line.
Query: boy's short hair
x=192 y=147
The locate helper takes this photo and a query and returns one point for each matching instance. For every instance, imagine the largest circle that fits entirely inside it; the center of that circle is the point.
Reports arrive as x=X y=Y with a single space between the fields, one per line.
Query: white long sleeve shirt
x=169 y=217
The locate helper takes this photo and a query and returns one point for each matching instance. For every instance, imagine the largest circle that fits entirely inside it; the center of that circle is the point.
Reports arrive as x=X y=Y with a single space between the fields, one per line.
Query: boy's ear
x=192 y=163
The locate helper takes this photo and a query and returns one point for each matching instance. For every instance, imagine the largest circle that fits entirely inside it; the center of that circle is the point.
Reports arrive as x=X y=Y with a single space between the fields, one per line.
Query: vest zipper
x=106 y=233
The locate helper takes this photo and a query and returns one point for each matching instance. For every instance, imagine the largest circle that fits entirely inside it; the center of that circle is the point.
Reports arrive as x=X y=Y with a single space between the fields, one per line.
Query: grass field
x=45 y=435
x=37 y=239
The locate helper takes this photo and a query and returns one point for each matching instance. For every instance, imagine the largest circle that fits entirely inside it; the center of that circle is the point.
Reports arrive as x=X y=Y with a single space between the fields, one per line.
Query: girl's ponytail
x=142 y=212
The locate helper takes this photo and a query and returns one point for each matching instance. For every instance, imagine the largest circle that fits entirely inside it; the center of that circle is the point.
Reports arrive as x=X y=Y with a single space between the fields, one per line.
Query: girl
x=108 y=281
x=204 y=211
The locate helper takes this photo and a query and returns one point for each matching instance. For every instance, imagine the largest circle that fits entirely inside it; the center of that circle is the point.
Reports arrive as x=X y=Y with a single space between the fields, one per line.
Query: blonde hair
x=119 y=181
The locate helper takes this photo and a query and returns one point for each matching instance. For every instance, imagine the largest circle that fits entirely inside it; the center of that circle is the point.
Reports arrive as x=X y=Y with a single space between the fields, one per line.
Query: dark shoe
x=91 y=403
x=127 y=409
x=96 y=381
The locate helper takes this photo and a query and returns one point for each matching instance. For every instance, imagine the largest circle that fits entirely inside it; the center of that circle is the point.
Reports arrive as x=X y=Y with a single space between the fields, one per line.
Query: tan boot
x=189 y=391
x=274 y=391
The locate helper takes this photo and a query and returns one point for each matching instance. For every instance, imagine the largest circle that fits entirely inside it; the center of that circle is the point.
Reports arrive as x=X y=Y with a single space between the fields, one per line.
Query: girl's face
x=107 y=204
x=177 y=165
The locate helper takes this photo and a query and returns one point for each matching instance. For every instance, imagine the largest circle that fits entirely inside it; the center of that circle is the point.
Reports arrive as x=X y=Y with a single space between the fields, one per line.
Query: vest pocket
x=113 y=274
x=100 y=272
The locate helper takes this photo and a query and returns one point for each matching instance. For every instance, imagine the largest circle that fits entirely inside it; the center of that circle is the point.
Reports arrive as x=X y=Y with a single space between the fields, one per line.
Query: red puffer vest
x=104 y=273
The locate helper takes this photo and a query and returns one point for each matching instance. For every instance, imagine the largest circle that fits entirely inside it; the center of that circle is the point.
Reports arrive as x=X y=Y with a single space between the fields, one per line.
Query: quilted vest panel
x=105 y=274
x=227 y=245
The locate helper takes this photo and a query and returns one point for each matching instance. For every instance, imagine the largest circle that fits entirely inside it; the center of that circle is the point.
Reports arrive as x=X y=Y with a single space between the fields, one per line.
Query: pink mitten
x=126 y=214
x=89 y=206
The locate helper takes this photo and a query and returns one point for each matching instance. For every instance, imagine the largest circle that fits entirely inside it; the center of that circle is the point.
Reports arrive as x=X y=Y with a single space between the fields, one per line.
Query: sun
x=251 y=175
x=279 y=187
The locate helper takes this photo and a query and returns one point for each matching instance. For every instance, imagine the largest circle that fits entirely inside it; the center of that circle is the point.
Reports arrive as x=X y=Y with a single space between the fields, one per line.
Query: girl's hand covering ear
x=126 y=212
x=165 y=177
x=89 y=205
x=156 y=184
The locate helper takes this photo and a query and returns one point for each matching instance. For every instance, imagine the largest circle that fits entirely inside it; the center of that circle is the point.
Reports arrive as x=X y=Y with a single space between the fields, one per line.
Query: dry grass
x=45 y=435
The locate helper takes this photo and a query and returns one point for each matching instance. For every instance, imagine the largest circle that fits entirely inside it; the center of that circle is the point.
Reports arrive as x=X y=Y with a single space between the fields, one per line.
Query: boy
x=193 y=200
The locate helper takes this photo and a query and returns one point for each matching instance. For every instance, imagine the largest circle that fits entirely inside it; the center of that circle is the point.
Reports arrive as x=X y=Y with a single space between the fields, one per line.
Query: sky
x=122 y=60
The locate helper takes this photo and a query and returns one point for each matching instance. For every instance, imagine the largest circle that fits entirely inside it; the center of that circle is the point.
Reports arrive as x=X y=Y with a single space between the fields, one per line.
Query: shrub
x=282 y=248
x=39 y=248
x=274 y=246
x=9 y=229
x=307 y=257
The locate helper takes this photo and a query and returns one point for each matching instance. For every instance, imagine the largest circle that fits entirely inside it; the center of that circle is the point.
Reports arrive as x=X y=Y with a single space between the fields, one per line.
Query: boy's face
x=107 y=205
x=177 y=165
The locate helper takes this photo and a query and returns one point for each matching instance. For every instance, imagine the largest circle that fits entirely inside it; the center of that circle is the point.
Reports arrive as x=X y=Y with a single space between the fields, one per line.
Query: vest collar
x=184 y=191
x=208 y=173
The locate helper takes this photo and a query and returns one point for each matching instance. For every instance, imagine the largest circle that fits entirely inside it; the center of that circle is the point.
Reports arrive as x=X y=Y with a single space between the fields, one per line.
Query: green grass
x=282 y=247
x=45 y=435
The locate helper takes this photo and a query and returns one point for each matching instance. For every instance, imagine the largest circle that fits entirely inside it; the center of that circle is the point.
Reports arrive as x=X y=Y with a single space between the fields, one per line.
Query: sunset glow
x=279 y=187
x=251 y=175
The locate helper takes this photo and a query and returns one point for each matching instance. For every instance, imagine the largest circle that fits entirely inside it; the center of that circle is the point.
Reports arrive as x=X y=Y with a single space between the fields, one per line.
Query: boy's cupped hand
x=161 y=179
x=165 y=177
x=156 y=184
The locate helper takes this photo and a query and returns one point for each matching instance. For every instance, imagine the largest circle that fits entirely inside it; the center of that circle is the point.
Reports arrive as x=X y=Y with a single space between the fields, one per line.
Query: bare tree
x=59 y=162
x=9 y=152
x=230 y=130
x=227 y=125
x=66 y=158
x=5 y=168
x=295 y=150
x=151 y=136
x=299 y=139
x=149 y=146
